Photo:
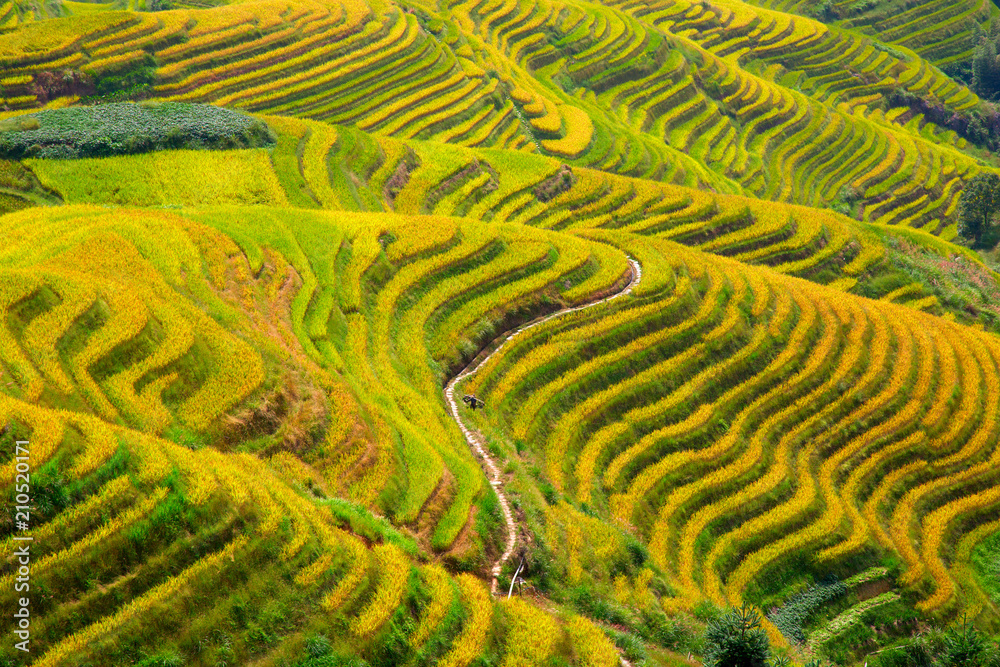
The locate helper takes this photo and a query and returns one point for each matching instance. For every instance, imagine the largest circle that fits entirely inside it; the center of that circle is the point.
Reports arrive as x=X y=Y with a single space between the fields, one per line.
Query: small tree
x=964 y=646
x=737 y=640
x=985 y=64
x=980 y=201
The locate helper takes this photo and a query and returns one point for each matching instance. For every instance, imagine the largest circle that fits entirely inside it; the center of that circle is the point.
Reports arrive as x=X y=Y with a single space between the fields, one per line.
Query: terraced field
x=731 y=97
x=421 y=178
x=940 y=31
x=686 y=412
x=639 y=410
x=694 y=262
x=114 y=336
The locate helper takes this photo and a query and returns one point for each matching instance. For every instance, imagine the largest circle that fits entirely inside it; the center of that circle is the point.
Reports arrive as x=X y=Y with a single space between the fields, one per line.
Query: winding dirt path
x=472 y=437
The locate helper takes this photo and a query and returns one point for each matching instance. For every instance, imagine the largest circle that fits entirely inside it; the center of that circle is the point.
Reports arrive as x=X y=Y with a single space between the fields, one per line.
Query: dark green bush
x=737 y=640
x=165 y=659
x=964 y=646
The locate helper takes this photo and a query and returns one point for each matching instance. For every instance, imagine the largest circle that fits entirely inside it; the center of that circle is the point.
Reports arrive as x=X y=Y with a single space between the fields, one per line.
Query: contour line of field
x=472 y=437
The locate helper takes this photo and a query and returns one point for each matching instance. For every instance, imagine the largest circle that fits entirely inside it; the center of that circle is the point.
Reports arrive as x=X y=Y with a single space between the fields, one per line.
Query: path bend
x=488 y=464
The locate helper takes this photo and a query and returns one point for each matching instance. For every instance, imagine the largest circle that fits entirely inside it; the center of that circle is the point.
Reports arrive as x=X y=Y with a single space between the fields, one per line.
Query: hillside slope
x=726 y=96
x=695 y=258
x=328 y=335
x=169 y=326
x=316 y=165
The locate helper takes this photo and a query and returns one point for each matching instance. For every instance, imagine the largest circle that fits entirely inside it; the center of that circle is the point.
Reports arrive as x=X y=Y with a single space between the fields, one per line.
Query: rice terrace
x=500 y=333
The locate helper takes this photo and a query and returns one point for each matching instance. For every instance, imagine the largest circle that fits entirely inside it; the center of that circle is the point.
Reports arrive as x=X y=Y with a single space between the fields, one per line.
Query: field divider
x=474 y=439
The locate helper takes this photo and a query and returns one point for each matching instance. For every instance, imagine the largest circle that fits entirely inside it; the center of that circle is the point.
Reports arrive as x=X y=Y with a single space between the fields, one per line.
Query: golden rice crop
x=531 y=636
x=579 y=130
x=168 y=590
x=442 y=594
x=166 y=178
x=471 y=641
x=393 y=569
x=564 y=429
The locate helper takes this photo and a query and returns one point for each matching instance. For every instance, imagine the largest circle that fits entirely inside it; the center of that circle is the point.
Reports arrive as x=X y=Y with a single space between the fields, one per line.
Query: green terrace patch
x=127 y=128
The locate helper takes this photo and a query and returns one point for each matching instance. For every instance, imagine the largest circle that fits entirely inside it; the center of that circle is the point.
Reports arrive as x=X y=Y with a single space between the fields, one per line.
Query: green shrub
x=737 y=640
x=320 y=653
x=164 y=659
x=597 y=608
x=964 y=646
x=133 y=79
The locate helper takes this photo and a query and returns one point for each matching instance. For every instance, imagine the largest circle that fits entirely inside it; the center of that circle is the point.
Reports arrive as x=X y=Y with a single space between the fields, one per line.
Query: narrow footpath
x=473 y=437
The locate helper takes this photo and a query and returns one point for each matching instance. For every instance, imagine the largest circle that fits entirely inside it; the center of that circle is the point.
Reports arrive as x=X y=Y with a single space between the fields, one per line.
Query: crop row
x=807 y=127
x=253 y=523
x=831 y=148
x=793 y=239
x=759 y=452
x=315 y=61
x=81 y=282
x=510 y=187
x=243 y=485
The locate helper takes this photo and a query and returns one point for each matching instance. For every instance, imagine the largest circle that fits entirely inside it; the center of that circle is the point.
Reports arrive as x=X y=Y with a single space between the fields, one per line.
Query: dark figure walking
x=473 y=402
